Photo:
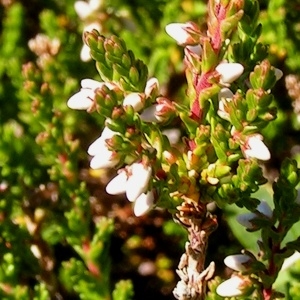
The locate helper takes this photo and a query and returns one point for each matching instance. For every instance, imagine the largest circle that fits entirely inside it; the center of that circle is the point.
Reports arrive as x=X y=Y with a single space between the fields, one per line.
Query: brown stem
x=191 y=268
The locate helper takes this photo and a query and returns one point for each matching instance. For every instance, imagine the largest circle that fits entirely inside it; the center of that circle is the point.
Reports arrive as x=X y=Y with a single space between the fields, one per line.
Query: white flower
x=137 y=182
x=152 y=84
x=256 y=148
x=148 y=114
x=232 y=287
x=225 y=95
x=278 y=74
x=84 y=99
x=237 y=262
x=133 y=181
x=173 y=135
x=178 y=32
x=143 y=203
x=117 y=185
x=85 y=10
x=135 y=100
x=246 y=219
x=103 y=157
x=229 y=72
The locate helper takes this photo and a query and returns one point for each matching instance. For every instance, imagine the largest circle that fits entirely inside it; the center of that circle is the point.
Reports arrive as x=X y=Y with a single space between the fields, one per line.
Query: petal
x=225 y=93
x=143 y=203
x=81 y=100
x=135 y=100
x=151 y=84
x=236 y=262
x=197 y=49
x=173 y=135
x=278 y=74
x=256 y=148
x=95 y=4
x=117 y=185
x=178 y=32
x=245 y=220
x=148 y=115
x=82 y=9
x=96 y=146
x=85 y=53
x=103 y=160
x=229 y=71
x=231 y=287
x=137 y=183
x=264 y=208
x=91 y=84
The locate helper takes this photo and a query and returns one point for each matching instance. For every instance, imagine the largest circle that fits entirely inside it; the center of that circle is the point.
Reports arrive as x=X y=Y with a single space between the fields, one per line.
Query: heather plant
x=186 y=130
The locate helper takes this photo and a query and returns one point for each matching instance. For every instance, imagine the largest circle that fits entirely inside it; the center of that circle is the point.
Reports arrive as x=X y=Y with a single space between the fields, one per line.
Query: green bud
x=263 y=76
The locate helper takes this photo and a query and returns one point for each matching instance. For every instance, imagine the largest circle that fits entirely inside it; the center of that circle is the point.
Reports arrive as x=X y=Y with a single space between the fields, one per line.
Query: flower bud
x=152 y=86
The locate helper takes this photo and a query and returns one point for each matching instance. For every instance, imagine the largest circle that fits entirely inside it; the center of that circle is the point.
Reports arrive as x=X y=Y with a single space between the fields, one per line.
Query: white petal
x=96 y=146
x=95 y=4
x=265 y=209
x=195 y=49
x=173 y=135
x=152 y=84
x=245 y=220
x=137 y=183
x=118 y=184
x=178 y=32
x=91 y=84
x=229 y=71
x=135 y=100
x=81 y=100
x=143 y=203
x=82 y=9
x=103 y=160
x=85 y=53
x=230 y=287
x=236 y=262
x=225 y=93
x=278 y=74
x=256 y=148
x=148 y=115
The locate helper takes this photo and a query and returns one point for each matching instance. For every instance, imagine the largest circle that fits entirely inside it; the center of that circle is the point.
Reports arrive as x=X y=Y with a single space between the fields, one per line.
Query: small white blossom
x=229 y=72
x=137 y=182
x=148 y=114
x=233 y=287
x=237 y=262
x=143 y=203
x=103 y=157
x=173 y=135
x=278 y=74
x=152 y=84
x=179 y=32
x=135 y=100
x=84 y=99
x=85 y=9
x=117 y=185
x=256 y=148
